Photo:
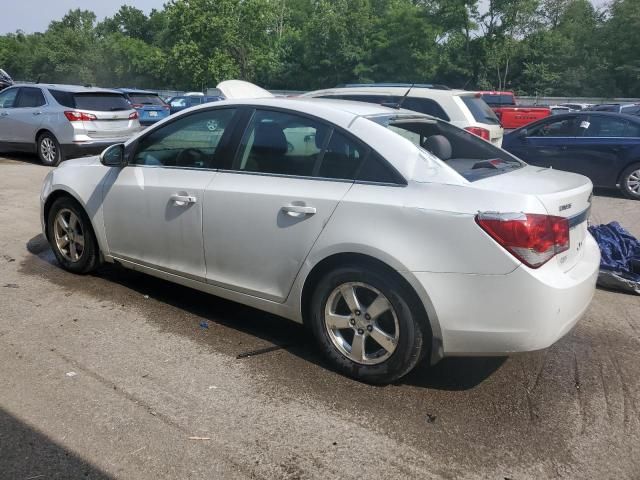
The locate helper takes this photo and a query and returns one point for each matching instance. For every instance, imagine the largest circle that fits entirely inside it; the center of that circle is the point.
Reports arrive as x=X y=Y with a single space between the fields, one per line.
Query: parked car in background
x=510 y=114
x=5 y=80
x=389 y=253
x=602 y=146
x=62 y=121
x=179 y=103
x=576 y=107
x=556 y=109
x=627 y=108
x=463 y=109
x=150 y=107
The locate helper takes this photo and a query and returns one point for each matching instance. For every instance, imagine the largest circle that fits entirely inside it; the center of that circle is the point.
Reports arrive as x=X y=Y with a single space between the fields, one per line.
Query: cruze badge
x=565 y=207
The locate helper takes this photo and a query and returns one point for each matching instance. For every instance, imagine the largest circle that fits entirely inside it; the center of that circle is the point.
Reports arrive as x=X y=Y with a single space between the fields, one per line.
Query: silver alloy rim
x=48 y=149
x=633 y=182
x=68 y=235
x=361 y=323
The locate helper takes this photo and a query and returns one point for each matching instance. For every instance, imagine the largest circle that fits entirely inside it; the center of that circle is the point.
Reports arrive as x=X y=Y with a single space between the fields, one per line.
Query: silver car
x=62 y=121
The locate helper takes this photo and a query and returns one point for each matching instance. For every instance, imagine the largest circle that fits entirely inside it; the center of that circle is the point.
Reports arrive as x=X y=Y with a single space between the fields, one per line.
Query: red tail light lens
x=481 y=132
x=166 y=107
x=134 y=116
x=532 y=238
x=74 y=116
x=137 y=105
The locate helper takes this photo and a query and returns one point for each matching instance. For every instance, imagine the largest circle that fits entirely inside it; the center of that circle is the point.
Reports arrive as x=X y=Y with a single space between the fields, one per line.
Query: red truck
x=510 y=115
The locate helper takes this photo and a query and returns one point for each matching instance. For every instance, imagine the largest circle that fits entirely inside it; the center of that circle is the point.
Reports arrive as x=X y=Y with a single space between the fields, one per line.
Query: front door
x=263 y=214
x=153 y=207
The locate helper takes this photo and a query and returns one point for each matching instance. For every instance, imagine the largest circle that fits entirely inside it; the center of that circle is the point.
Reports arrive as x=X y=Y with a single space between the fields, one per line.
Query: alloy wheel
x=48 y=149
x=633 y=182
x=361 y=323
x=69 y=236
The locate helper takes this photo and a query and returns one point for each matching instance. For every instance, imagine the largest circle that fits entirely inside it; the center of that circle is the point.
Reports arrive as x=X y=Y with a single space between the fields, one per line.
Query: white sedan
x=394 y=235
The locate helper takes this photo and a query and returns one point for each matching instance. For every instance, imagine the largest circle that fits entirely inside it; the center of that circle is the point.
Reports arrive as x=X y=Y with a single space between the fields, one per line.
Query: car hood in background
x=236 y=89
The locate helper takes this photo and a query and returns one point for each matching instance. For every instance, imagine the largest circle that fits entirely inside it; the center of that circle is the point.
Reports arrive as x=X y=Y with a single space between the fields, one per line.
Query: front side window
x=189 y=142
x=179 y=102
x=8 y=98
x=30 y=97
x=563 y=127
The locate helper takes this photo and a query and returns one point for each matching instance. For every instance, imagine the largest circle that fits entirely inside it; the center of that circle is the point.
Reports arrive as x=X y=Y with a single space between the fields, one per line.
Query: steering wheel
x=190 y=157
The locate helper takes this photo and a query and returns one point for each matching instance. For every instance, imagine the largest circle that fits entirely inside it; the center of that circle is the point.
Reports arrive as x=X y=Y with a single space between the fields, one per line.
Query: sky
x=35 y=15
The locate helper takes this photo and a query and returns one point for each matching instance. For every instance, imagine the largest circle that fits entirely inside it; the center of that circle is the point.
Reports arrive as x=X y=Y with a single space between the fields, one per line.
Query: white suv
x=459 y=107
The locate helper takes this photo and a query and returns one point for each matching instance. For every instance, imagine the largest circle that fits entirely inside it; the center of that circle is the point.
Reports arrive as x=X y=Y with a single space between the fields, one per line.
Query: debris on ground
x=199 y=438
x=71 y=374
x=11 y=285
x=620 y=258
x=260 y=351
x=431 y=418
x=204 y=325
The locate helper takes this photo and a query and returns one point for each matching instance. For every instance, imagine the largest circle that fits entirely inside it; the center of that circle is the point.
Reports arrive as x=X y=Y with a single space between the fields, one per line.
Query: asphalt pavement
x=118 y=375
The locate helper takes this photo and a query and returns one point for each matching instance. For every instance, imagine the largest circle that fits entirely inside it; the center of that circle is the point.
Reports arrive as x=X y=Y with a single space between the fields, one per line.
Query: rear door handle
x=4 y=114
x=37 y=113
x=183 y=200
x=297 y=210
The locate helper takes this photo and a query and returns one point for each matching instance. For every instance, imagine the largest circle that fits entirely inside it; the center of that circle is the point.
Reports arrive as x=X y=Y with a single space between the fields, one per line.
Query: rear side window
x=376 y=169
x=481 y=112
x=63 y=98
x=30 y=97
x=145 y=99
x=416 y=104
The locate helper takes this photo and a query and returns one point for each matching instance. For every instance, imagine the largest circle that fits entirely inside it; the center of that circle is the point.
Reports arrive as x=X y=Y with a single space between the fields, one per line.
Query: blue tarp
x=620 y=262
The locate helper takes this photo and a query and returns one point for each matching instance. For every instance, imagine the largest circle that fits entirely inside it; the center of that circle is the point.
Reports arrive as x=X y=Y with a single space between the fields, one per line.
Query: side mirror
x=523 y=134
x=113 y=156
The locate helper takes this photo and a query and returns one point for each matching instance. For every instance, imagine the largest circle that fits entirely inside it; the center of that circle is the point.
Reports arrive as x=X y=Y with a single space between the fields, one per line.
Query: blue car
x=602 y=146
x=181 y=102
x=150 y=107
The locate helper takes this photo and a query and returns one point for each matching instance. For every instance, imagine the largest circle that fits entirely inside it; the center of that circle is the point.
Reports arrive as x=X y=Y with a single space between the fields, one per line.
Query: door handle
x=183 y=200
x=4 y=114
x=298 y=210
x=37 y=113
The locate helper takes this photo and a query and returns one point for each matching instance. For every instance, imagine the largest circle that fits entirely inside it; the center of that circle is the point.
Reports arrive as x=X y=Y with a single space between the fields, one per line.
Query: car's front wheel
x=49 y=150
x=368 y=325
x=71 y=236
x=630 y=181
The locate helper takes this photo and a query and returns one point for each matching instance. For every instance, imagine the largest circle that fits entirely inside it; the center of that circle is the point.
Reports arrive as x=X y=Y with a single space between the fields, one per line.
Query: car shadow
x=21 y=157
x=608 y=192
x=271 y=331
x=28 y=453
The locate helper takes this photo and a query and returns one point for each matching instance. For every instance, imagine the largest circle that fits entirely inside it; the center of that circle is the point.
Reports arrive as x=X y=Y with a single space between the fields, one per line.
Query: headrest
x=439 y=145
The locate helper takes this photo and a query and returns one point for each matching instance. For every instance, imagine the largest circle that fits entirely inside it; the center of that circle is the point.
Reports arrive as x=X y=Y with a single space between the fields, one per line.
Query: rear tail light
x=532 y=238
x=134 y=116
x=166 y=107
x=74 y=116
x=137 y=105
x=479 y=131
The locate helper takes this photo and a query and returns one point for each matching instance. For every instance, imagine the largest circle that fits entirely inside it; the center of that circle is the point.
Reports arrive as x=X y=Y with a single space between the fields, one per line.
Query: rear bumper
x=522 y=311
x=80 y=149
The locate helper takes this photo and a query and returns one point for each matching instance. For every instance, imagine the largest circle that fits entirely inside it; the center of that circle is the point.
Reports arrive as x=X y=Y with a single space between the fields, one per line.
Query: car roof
x=135 y=90
x=70 y=88
x=390 y=90
x=340 y=112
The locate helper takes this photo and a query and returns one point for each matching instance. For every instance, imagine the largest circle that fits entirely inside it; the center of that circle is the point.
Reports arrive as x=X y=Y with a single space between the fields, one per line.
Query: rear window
x=481 y=112
x=97 y=102
x=498 y=100
x=467 y=154
x=145 y=99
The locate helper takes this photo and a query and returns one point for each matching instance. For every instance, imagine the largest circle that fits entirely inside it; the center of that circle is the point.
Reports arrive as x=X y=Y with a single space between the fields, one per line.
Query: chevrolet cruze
x=393 y=235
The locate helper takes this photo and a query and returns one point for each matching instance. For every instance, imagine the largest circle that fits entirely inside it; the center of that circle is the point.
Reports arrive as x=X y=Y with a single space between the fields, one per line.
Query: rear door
x=263 y=213
x=111 y=114
x=27 y=114
x=603 y=147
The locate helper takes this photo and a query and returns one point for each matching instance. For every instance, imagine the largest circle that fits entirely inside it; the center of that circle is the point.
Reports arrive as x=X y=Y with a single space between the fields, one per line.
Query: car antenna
x=38 y=80
x=405 y=96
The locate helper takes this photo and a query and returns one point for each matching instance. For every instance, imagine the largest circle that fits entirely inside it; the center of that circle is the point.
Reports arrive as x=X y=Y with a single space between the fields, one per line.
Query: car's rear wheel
x=49 y=150
x=630 y=181
x=368 y=325
x=71 y=236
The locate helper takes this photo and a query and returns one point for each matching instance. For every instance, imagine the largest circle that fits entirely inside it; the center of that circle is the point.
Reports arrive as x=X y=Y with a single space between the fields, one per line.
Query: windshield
x=467 y=154
x=481 y=112
x=145 y=99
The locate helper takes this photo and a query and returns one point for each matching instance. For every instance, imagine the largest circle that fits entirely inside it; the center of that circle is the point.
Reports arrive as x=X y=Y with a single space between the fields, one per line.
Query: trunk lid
x=237 y=89
x=109 y=124
x=563 y=194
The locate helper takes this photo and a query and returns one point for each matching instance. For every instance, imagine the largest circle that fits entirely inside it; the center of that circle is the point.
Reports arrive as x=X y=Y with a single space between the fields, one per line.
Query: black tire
x=629 y=176
x=49 y=150
x=413 y=337
x=88 y=258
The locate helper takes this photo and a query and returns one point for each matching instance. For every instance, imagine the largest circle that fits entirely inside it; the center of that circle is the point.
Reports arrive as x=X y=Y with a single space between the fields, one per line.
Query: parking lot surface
x=120 y=375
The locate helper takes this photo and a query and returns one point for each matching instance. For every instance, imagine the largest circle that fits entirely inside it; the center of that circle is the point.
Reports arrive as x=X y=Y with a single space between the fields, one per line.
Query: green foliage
x=546 y=47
